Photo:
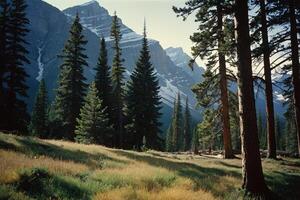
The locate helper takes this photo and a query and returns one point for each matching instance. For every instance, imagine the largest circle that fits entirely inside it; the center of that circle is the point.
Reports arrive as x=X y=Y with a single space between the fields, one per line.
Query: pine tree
x=207 y=129
x=279 y=134
x=261 y=131
x=4 y=25
x=168 y=141
x=92 y=124
x=177 y=123
x=253 y=178
x=103 y=79
x=71 y=84
x=210 y=44
x=187 y=127
x=117 y=84
x=16 y=116
x=143 y=101
x=195 y=142
x=38 y=125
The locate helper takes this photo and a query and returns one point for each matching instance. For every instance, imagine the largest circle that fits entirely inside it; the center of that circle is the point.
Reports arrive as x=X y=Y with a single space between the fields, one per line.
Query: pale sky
x=162 y=23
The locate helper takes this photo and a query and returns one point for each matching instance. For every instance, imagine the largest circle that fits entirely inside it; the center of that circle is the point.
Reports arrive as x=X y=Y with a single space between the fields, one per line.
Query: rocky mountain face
x=49 y=29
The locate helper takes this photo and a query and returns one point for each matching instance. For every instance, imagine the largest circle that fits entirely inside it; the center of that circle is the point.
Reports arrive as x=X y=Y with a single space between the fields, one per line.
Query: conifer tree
x=253 y=178
x=4 y=25
x=103 y=79
x=261 y=131
x=195 y=142
x=117 y=84
x=210 y=44
x=143 y=100
x=38 y=125
x=177 y=123
x=17 y=116
x=71 y=84
x=261 y=23
x=93 y=124
x=187 y=127
x=168 y=141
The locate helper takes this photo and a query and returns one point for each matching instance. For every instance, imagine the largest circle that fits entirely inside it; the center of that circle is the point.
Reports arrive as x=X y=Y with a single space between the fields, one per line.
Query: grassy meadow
x=31 y=168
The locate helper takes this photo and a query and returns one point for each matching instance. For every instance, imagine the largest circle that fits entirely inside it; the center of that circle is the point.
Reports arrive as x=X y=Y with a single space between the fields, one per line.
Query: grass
x=31 y=168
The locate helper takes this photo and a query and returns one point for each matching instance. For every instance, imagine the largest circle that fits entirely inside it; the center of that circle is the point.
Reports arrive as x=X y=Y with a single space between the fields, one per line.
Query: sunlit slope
x=47 y=169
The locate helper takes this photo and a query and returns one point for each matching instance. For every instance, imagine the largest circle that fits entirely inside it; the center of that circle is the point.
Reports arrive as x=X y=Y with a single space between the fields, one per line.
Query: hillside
x=31 y=168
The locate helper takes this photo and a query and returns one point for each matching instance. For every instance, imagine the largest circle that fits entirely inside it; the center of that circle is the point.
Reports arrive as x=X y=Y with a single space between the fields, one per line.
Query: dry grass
x=110 y=174
x=174 y=193
x=12 y=162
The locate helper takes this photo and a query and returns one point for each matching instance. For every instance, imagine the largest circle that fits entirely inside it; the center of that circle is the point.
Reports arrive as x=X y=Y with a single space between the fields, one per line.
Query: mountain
x=181 y=59
x=49 y=30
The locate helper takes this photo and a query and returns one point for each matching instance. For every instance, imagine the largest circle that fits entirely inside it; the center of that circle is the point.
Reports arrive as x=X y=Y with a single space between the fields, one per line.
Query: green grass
x=31 y=168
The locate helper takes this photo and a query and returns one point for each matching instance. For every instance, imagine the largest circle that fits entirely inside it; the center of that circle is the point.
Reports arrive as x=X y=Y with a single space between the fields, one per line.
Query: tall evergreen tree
x=295 y=63
x=71 y=84
x=16 y=116
x=4 y=25
x=177 y=126
x=168 y=141
x=103 y=79
x=210 y=44
x=261 y=22
x=117 y=83
x=93 y=124
x=261 y=131
x=253 y=178
x=38 y=125
x=143 y=100
x=187 y=127
x=195 y=142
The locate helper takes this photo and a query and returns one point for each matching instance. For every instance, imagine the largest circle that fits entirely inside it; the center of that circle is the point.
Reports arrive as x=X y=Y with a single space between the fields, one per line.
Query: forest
x=251 y=49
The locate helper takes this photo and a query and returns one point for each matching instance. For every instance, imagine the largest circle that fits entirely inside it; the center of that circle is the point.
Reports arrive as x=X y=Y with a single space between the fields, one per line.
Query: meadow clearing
x=32 y=168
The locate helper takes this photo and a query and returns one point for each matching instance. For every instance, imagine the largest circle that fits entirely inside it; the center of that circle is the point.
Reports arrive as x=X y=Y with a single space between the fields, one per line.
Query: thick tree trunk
x=268 y=84
x=253 y=179
x=228 y=153
x=295 y=66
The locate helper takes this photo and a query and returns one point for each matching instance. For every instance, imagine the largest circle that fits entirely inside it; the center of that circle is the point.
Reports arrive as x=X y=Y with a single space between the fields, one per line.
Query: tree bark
x=268 y=83
x=228 y=153
x=295 y=66
x=253 y=179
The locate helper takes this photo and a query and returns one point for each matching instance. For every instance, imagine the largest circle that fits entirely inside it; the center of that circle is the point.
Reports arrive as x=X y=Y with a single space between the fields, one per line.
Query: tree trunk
x=228 y=153
x=268 y=84
x=295 y=67
x=253 y=179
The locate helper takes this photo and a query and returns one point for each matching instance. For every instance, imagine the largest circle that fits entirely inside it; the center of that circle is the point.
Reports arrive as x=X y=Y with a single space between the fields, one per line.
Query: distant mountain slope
x=49 y=30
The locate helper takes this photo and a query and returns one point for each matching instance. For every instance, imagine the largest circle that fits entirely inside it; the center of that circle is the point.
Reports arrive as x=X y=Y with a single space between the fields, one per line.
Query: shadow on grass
x=36 y=147
x=40 y=184
x=202 y=177
x=228 y=165
x=284 y=184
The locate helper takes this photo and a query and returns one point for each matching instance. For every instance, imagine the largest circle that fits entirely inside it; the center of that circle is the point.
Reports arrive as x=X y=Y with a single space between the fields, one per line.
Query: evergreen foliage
x=195 y=142
x=103 y=78
x=14 y=22
x=187 y=127
x=261 y=131
x=4 y=27
x=177 y=126
x=93 y=123
x=117 y=84
x=143 y=101
x=39 y=118
x=168 y=141
x=71 y=84
x=213 y=43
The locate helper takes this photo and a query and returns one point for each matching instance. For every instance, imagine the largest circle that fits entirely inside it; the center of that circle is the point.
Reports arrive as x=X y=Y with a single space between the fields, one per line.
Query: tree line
x=244 y=42
x=108 y=111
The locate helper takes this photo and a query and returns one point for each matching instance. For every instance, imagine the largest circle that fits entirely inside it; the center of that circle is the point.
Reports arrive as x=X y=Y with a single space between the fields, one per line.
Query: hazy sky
x=162 y=23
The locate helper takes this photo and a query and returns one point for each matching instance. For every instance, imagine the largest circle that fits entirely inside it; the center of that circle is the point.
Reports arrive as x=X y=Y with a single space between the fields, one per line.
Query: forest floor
x=31 y=168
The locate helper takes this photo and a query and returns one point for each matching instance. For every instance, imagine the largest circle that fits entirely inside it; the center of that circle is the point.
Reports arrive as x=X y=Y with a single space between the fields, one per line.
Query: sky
x=162 y=23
